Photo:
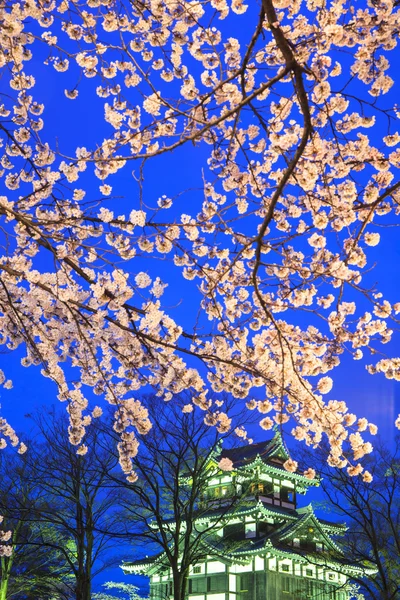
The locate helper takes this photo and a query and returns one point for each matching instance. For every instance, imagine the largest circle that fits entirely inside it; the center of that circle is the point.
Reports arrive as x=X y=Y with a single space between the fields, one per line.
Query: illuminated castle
x=262 y=547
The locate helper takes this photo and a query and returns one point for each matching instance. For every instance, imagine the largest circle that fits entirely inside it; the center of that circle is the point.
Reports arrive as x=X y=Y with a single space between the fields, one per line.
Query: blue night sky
x=179 y=175
x=80 y=123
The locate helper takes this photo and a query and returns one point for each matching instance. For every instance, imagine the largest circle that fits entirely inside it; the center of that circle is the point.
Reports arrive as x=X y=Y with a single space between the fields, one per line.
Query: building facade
x=262 y=547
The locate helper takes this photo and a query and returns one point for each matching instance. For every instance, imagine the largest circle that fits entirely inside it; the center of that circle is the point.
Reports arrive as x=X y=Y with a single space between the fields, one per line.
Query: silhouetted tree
x=76 y=498
x=372 y=512
x=73 y=510
x=35 y=568
x=163 y=507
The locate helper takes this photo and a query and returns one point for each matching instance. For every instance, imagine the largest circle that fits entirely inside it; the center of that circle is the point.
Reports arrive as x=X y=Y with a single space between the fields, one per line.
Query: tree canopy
x=287 y=109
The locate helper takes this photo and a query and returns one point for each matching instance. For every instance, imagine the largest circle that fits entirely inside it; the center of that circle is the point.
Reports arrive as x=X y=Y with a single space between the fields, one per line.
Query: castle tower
x=262 y=547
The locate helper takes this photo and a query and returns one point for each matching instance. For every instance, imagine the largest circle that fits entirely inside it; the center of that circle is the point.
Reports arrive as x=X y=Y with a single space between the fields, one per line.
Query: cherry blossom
x=310 y=473
x=294 y=131
x=5 y=536
x=225 y=464
x=290 y=465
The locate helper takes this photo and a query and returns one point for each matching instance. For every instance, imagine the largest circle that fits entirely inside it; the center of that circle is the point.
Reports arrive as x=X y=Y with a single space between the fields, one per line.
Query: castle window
x=263 y=489
x=220 y=491
x=257 y=487
x=235 y=531
x=309 y=572
x=287 y=495
x=268 y=486
x=265 y=528
x=196 y=570
x=285 y=568
x=197 y=585
x=307 y=544
x=217 y=583
x=250 y=530
x=286 y=585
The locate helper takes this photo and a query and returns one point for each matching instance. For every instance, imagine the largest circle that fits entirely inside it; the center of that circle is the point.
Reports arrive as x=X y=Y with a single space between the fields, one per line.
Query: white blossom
x=372 y=239
x=225 y=464
x=142 y=280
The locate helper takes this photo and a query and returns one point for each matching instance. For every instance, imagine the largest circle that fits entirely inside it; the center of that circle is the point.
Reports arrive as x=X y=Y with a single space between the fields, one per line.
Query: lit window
x=250 y=530
x=257 y=488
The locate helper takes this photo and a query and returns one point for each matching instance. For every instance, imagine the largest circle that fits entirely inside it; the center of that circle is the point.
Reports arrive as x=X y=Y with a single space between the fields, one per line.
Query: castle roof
x=270 y=455
x=272 y=450
x=275 y=543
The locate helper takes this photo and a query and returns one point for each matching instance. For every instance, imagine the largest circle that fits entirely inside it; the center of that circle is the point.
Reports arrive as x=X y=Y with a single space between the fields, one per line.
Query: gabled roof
x=270 y=456
x=144 y=566
x=209 y=545
x=274 y=543
x=333 y=528
x=307 y=520
x=273 y=450
x=247 y=507
x=269 y=546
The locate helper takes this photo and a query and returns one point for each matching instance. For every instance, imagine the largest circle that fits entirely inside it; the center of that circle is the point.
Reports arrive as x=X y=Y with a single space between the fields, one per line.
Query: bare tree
x=372 y=513
x=74 y=508
x=36 y=567
x=164 y=506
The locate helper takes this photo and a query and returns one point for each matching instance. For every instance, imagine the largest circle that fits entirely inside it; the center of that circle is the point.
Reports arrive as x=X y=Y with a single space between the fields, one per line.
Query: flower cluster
x=5 y=536
x=225 y=464
x=275 y=247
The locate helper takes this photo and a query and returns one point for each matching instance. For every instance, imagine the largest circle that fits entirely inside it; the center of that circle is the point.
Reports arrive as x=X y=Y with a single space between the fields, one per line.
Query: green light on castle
x=260 y=547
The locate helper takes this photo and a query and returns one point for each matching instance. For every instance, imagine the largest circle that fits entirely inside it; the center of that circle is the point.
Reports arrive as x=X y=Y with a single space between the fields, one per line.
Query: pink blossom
x=225 y=464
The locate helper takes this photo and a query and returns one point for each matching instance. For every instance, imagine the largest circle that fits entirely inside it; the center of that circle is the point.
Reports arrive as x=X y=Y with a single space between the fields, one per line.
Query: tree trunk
x=6 y=564
x=89 y=546
x=83 y=588
x=3 y=589
x=180 y=584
